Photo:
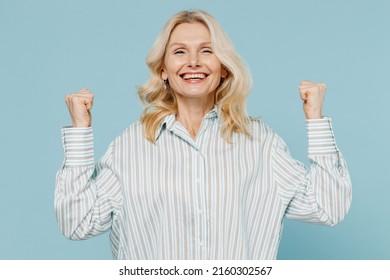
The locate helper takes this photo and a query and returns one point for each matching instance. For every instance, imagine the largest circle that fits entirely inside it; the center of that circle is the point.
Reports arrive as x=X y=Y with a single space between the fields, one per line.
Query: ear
x=164 y=74
x=224 y=72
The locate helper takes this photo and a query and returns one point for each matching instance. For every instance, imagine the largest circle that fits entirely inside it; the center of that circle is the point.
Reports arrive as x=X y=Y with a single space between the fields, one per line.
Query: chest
x=178 y=169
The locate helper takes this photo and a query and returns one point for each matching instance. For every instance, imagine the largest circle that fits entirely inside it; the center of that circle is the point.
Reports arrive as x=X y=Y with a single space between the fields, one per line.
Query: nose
x=193 y=60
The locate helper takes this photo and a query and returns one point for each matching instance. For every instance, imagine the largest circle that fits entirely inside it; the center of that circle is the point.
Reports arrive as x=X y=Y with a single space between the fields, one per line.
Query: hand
x=79 y=106
x=312 y=95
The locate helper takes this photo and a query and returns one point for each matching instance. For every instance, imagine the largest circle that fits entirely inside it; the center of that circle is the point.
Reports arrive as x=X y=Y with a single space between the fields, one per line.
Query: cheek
x=173 y=66
x=217 y=67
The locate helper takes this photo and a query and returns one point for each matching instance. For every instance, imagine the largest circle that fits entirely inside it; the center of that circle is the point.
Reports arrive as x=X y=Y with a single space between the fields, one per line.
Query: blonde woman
x=196 y=178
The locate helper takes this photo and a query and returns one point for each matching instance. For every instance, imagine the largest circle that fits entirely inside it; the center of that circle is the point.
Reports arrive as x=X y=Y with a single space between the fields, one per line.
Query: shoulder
x=265 y=135
x=131 y=133
x=260 y=129
x=135 y=127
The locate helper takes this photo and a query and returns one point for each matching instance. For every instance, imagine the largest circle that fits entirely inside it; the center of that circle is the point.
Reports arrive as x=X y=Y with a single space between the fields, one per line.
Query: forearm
x=75 y=199
x=80 y=193
x=322 y=192
x=74 y=193
x=331 y=186
x=328 y=174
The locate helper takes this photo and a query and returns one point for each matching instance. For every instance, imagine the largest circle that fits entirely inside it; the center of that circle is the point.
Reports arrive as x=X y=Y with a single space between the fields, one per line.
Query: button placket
x=202 y=205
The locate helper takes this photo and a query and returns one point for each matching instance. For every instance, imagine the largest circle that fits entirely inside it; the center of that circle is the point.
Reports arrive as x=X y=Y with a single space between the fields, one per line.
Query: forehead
x=189 y=32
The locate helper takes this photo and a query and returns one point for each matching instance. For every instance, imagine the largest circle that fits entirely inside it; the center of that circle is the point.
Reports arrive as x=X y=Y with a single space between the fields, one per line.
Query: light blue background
x=50 y=48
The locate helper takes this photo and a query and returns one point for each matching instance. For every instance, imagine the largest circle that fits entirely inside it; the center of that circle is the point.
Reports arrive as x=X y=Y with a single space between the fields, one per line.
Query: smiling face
x=190 y=65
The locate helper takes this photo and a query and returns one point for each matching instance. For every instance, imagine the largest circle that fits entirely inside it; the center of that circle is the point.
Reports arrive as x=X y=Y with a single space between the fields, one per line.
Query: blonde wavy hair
x=231 y=94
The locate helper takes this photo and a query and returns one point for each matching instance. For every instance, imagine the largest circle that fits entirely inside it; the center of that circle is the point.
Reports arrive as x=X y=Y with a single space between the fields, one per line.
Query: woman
x=196 y=178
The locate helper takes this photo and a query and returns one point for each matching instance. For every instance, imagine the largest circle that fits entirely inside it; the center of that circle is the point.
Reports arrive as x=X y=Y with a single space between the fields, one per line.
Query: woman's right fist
x=79 y=106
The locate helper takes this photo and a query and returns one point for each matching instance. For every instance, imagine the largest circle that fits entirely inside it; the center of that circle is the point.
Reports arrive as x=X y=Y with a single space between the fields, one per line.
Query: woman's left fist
x=312 y=95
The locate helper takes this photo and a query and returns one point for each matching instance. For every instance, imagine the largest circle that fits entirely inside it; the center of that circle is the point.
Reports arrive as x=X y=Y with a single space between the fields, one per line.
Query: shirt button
x=201 y=243
x=199 y=211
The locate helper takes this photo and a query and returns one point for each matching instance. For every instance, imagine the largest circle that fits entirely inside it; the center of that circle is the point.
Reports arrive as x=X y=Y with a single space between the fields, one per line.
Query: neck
x=191 y=113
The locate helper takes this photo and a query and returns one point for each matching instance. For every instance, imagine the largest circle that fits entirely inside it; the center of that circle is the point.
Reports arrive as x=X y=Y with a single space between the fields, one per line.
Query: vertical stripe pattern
x=202 y=198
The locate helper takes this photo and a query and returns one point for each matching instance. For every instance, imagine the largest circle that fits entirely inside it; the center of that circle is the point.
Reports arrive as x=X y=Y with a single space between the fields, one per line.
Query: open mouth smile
x=193 y=76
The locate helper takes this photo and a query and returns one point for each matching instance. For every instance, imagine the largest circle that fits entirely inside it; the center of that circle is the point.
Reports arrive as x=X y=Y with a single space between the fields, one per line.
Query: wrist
x=313 y=114
x=76 y=123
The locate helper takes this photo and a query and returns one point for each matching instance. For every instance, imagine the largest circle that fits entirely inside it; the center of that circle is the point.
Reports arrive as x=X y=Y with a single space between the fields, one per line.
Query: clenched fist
x=79 y=106
x=312 y=95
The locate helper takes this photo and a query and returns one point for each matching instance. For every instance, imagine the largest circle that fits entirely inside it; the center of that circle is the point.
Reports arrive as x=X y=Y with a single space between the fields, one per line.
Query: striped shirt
x=202 y=198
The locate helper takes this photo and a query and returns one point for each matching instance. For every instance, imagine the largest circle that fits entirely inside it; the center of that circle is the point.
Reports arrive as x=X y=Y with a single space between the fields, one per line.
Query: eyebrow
x=183 y=44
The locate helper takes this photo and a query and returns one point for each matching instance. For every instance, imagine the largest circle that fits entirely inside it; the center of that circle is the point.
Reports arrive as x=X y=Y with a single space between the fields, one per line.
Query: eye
x=179 y=51
x=207 y=50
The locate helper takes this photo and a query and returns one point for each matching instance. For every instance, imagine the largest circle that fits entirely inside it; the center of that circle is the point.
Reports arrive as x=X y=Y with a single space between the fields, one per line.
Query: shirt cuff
x=78 y=146
x=320 y=136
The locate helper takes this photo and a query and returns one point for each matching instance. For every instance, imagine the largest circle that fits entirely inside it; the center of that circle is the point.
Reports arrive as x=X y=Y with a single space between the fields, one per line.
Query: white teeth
x=194 y=76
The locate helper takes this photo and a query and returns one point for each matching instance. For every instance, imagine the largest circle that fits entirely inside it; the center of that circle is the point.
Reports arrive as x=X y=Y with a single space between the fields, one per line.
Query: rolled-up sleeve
x=322 y=192
x=87 y=196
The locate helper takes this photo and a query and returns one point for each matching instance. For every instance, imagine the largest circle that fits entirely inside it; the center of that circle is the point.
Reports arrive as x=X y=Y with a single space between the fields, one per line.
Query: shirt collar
x=170 y=120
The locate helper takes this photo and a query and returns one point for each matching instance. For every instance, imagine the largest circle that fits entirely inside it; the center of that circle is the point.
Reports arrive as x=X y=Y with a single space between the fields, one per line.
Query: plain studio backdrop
x=51 y=48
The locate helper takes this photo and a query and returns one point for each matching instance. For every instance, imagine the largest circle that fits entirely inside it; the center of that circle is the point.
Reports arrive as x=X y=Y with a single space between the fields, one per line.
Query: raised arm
x=87 y=196
x=321 y=193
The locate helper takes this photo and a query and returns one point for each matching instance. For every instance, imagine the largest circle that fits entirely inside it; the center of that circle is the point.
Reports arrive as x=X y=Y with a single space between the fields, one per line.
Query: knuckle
x=68 y=97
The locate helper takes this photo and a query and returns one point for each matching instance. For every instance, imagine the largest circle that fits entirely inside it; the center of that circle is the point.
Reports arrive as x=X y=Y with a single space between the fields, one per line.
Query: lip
x=193 y=73
x=196 y=80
